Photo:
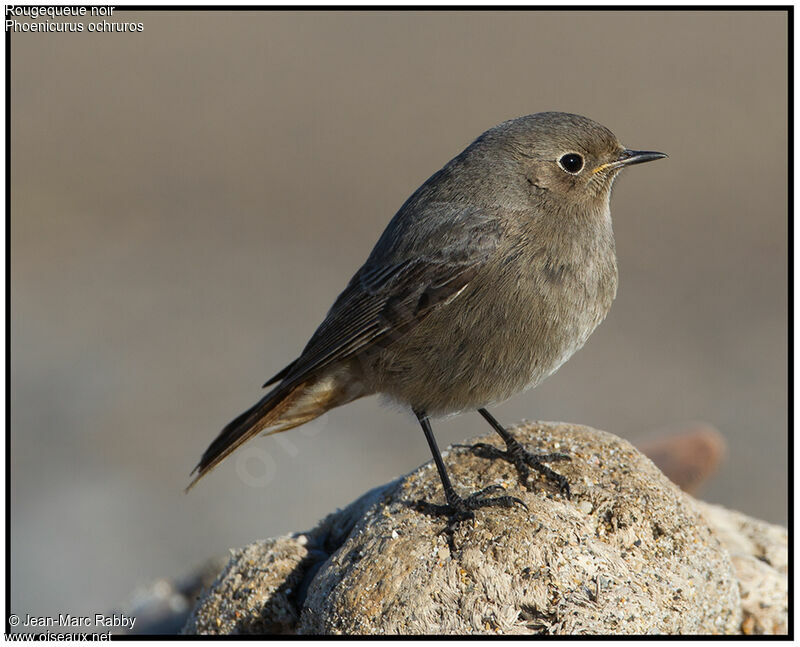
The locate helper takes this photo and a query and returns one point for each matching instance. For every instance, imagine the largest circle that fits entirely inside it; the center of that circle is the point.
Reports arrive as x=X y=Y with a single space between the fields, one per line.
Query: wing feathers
x=394 y=291
x=360 y=318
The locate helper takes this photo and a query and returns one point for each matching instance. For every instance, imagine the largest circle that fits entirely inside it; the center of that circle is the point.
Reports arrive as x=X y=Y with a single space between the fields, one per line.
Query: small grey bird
x=489 y=277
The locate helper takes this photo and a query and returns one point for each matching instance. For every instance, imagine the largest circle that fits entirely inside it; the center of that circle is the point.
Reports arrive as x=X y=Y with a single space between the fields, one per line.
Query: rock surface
x=760 y=555
x=629 y=553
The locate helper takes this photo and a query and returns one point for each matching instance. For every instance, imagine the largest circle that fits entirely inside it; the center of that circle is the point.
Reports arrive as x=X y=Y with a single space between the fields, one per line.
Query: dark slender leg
x=521 y=457
x=449 y=493
x=460 y=509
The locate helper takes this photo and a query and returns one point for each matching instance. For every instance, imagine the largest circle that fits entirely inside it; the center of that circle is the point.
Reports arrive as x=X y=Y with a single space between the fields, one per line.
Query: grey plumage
x=489 y=277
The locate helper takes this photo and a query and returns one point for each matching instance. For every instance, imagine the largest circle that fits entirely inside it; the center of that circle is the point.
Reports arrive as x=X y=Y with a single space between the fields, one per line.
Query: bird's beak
x=629 y=157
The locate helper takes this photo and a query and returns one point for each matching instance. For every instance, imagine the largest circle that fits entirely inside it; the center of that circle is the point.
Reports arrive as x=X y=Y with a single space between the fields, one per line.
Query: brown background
x=187 y=202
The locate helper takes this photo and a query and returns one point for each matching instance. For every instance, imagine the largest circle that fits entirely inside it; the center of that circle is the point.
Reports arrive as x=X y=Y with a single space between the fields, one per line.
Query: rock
x=258 y=591
x=629 y=553
x=253 y=594
x=760 y=555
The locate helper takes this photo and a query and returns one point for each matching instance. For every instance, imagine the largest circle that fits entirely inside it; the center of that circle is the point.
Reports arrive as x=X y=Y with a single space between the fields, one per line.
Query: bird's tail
x=283 y=408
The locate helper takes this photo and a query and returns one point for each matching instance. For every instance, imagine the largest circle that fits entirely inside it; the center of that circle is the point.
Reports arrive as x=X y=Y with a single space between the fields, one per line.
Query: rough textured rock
x=261 y=589
x=253 y=593
x=629 y=553
x=760 y=555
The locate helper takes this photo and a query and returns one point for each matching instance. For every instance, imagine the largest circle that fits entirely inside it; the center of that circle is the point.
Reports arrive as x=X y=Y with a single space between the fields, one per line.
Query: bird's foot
x=524 y=460
x=463 y=509
x=460 y=509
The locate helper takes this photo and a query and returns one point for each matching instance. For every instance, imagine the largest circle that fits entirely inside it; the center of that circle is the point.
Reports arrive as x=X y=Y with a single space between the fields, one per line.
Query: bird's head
x=563 y=158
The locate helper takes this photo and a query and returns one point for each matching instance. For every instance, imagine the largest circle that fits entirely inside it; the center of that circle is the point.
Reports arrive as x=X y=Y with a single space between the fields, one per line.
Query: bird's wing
x=385 y=300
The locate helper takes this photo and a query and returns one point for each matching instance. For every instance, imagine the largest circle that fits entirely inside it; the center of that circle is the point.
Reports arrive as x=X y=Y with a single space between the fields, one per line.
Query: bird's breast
x=525 y=313
x=548 y=306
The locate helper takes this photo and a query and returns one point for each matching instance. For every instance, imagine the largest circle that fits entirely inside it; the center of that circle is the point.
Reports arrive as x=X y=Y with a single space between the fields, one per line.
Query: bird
x=487 y=279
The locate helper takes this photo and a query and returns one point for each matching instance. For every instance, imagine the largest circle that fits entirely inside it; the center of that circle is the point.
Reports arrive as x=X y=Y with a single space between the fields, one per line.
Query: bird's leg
x=460 y=509
x=521 y=458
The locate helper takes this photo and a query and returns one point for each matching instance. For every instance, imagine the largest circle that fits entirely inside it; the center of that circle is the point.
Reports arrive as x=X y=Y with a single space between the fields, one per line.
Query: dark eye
x=571 y=162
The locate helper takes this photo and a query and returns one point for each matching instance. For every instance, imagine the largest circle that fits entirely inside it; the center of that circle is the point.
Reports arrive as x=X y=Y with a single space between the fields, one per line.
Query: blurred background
x=186 y=203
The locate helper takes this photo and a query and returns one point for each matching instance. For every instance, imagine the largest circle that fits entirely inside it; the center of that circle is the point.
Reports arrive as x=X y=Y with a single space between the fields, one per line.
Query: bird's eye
x=571 y=162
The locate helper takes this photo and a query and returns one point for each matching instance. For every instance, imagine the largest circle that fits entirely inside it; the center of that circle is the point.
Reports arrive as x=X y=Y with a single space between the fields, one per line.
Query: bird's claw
x=522 y=459
x=461 y=509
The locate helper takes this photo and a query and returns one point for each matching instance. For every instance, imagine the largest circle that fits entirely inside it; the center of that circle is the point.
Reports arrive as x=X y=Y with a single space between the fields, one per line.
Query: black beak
x=628 y=157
